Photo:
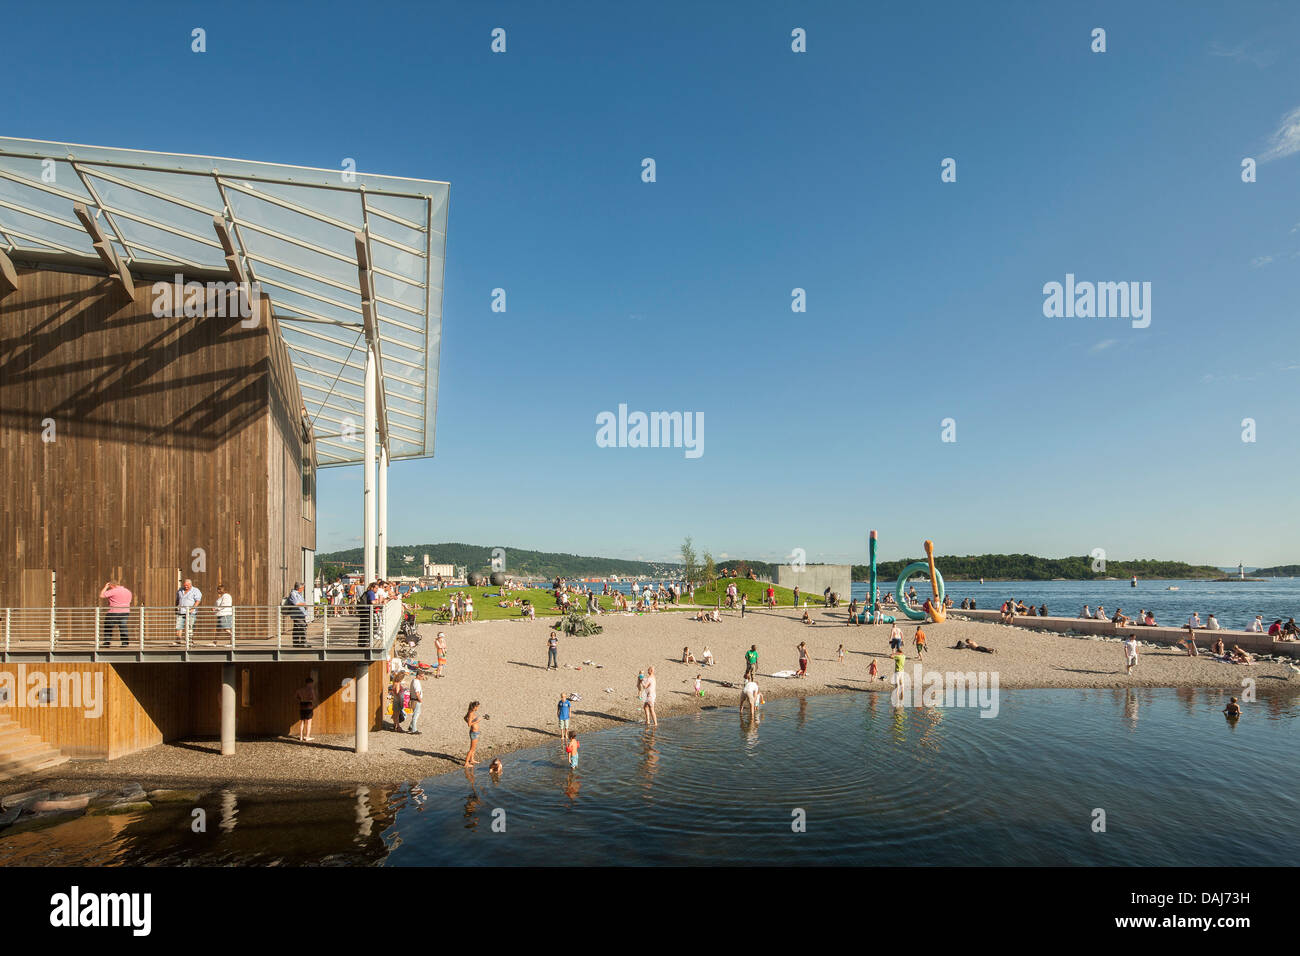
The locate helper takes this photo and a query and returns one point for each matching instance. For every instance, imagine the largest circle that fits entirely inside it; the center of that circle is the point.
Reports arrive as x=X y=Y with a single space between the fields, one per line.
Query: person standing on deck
x=298 y=603
x=119 y=606
x=188 y=598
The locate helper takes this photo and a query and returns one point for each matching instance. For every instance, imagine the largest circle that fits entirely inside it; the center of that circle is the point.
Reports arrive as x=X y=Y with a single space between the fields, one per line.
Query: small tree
x=710 y=571
x=690 y=569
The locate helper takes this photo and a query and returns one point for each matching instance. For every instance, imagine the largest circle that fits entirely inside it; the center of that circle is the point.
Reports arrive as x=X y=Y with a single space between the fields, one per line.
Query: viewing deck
x=162 y=635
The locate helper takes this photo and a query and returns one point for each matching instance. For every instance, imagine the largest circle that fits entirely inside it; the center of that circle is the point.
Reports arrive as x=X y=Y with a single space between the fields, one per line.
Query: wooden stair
x=22 y=752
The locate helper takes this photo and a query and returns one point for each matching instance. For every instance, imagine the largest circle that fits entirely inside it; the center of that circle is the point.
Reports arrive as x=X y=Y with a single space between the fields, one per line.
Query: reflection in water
x=1131 y=710
x=649 y=759
x=695 y=792
x=229 y=810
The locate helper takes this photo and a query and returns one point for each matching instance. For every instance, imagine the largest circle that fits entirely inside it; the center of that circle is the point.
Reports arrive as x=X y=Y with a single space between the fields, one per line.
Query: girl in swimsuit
x=472 y=718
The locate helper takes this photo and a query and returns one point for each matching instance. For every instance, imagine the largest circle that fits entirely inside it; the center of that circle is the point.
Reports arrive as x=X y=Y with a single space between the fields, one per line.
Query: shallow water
x=1177 y=782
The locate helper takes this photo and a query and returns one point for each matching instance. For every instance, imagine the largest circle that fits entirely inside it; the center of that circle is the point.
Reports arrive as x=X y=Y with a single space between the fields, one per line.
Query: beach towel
x=782 y=674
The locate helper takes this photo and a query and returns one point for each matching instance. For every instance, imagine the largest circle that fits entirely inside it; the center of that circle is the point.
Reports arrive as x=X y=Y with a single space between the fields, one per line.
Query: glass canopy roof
x=294 y=232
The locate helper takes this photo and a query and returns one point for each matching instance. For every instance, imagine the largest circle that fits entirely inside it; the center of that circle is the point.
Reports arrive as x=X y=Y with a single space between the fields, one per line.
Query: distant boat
x=1173 y=587
x=1134 y=582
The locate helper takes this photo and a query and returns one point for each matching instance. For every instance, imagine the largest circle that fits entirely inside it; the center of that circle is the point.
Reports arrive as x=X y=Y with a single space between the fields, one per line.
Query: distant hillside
x=1281 y=571
x=1028 y=567
x=518 y=561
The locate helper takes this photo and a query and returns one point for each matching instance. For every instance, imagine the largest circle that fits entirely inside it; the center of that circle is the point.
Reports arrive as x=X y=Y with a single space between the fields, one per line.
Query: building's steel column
x=227 y=709
x=382 y=540
x=361 y=688
x=368 y=474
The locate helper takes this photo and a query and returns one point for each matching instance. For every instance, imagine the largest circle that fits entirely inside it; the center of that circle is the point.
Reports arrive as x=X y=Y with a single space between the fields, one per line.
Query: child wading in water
x=571 y=748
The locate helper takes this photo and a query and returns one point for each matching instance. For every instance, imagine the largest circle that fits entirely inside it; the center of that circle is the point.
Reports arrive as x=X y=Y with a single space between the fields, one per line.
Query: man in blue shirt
x=562 y=712
x=297 y=604
x=187 y=599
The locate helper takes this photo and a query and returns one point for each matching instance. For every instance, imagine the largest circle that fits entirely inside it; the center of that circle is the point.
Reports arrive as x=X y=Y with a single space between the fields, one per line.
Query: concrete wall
x=1251 y=643
x=813 y=579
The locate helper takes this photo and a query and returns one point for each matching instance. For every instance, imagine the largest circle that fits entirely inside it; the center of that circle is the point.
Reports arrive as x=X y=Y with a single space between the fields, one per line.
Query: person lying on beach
x=1241 y=657
x=807 y=618
x=970 y=645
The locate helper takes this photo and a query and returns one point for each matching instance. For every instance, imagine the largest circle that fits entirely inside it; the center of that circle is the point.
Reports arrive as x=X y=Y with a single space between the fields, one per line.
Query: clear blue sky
x=779 y=170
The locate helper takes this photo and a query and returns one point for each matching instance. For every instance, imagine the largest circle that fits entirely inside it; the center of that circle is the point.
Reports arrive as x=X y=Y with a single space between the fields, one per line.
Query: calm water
x=1178 y=783
x=1234 y=603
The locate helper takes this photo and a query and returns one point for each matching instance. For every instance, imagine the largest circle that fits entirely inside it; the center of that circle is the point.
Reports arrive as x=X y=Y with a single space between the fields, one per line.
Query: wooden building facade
x=146 y=448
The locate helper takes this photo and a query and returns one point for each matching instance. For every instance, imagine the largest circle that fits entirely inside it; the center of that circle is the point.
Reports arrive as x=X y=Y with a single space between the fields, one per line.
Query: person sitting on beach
x=1275 y=629
x=495 y=767
x=1020 y=607
x=1241 y=657
x=1120 y=619
x=1008 y=615
x=1289 y=630
x=688 y=657
x=970 y=645
x=706 y=658
x=1211 y=622
x=1195 y=620
x=1217 y=648
x=1086 y=612
x=699 y=616
x=1031 y=611
x=807 y=618
x=1150 y=619
x=1257 y=625
x=717 y=616
x=1101 y=614
x=1042 y=610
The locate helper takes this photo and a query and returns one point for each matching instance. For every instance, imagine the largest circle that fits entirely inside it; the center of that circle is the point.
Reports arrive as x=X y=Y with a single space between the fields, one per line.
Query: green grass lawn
x=485 y=600
x=756 y=590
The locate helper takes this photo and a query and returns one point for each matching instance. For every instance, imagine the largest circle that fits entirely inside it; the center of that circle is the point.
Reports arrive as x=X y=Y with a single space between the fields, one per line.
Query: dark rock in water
x=76 y=801
x=9 y=816
x=18 y=799
x=135 y=806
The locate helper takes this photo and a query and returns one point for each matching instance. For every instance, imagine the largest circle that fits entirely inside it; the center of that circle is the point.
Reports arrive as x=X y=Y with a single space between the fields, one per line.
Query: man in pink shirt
x=119 y=606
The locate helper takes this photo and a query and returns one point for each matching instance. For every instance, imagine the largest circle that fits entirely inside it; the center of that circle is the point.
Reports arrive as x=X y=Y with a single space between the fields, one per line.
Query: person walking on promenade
x=744 y=598
x=472 y=719
x=188 y=598
x=651 y=718
x=119 y=606
x=552 y=650
x=796 y=595
x=224 y=609
x=306 y=697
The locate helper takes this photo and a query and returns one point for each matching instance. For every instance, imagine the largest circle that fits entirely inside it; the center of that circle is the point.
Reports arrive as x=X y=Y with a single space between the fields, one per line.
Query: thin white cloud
x=1243 y=54
x=1285 y=139
x=1260 y=261
x=1102 y=346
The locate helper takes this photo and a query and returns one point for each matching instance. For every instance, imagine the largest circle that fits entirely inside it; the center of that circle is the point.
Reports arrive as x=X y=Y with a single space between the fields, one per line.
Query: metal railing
x=83 y=629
